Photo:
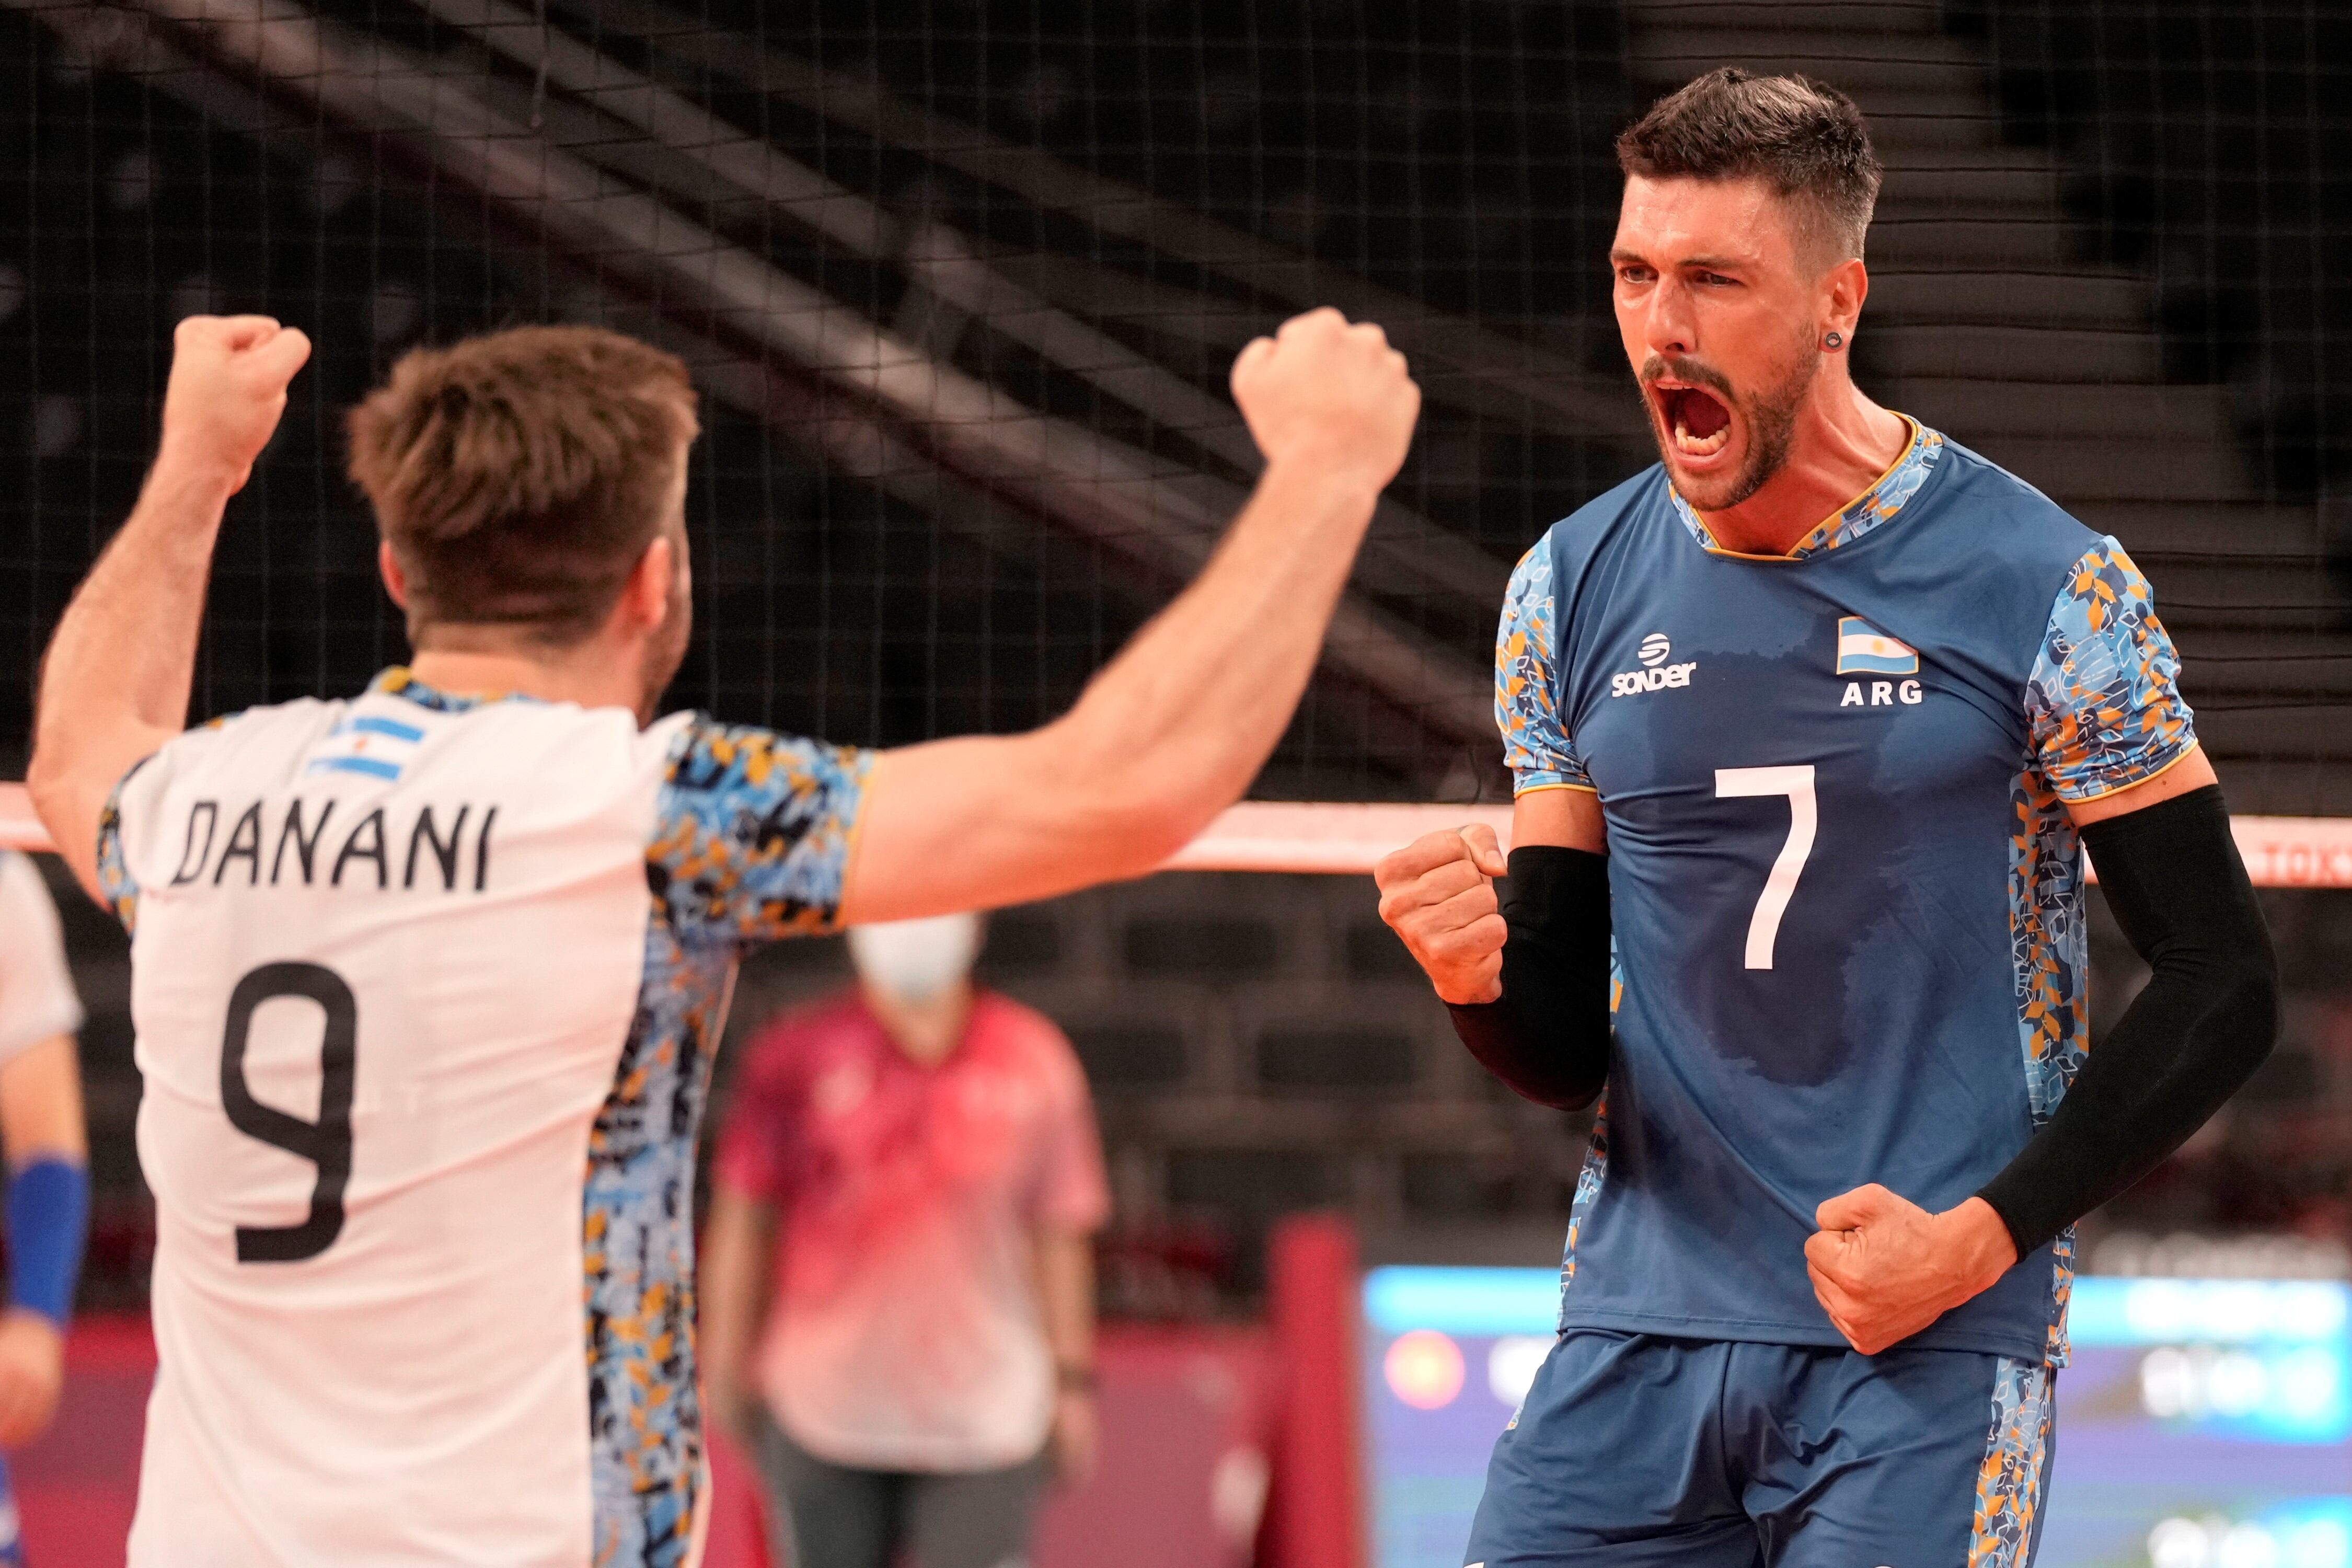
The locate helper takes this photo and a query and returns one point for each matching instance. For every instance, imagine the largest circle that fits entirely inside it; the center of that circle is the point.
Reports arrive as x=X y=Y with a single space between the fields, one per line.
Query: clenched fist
x=229 y=375
x=1328 y=397
x=1883 y=1268
x=1438 y=894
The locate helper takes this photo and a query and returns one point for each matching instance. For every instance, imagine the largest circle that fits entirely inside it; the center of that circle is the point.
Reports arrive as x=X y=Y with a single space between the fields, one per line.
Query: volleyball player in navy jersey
x=1811 y=724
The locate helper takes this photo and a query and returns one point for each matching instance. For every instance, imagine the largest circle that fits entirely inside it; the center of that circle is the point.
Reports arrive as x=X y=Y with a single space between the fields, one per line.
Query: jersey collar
x=1884 y=497
x=398 y=682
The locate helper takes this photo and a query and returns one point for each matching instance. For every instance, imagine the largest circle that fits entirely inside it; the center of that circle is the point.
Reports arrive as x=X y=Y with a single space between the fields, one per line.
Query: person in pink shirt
x=897 y=1278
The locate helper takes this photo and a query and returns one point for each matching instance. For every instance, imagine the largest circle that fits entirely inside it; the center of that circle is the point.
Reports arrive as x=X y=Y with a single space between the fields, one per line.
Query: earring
x=1834 y=340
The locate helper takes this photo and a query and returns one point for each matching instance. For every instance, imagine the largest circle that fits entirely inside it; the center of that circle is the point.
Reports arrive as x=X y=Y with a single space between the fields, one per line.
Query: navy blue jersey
x=1846 y=895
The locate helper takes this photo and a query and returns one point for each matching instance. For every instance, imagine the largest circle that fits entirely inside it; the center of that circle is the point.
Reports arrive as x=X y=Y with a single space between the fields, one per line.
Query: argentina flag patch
x=1863 y=650
x=365 y=743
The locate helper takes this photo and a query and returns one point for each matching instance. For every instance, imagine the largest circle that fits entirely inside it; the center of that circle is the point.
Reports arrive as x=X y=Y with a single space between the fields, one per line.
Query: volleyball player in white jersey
x=426 y=980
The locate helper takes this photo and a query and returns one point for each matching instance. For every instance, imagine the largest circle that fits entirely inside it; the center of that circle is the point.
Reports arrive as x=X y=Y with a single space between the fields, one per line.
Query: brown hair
x=1805 y=137
x=519 y=477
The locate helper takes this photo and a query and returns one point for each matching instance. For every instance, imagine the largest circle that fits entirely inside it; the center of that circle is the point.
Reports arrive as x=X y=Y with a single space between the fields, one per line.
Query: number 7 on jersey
x=1781 y=882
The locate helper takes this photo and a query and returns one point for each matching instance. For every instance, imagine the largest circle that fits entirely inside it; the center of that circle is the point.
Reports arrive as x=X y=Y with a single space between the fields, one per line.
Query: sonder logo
x=1658 y=676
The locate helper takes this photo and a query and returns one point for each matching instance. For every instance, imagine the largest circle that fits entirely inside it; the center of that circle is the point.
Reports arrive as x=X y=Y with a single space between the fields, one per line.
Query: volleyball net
x=1349 y=838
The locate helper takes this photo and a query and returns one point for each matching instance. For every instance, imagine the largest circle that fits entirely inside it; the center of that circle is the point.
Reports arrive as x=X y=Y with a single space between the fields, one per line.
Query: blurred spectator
x=48 y=1177
x=915 y=1167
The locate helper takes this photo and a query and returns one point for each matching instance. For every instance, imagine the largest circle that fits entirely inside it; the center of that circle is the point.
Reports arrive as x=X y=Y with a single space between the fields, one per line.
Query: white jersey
x=37 y=1001
x=426 y=992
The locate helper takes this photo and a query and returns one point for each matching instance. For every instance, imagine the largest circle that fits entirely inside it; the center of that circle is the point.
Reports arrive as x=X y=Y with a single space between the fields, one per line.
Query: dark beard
x=1771 y=418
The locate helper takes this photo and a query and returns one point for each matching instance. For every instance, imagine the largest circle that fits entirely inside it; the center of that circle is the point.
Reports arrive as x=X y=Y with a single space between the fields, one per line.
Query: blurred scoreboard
x=2205 y=1424
x=2201 y=1422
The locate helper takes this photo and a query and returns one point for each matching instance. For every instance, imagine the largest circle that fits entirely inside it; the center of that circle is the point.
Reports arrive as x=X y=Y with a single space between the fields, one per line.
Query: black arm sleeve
x=1547 y=1037
x=2205 y=1021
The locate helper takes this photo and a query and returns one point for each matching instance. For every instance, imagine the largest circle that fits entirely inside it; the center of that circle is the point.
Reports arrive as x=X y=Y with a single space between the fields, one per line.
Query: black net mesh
x=961 y=282
x=960 y=286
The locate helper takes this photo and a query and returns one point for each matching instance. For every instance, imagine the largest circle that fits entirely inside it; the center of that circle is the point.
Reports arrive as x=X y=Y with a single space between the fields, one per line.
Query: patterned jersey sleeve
x=754 y=831
x=115 y=879
x=2104 y=701
x=1527 y=709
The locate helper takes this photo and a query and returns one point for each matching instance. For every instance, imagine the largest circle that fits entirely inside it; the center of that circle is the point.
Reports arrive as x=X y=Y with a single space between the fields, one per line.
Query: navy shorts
x=1634 y=1450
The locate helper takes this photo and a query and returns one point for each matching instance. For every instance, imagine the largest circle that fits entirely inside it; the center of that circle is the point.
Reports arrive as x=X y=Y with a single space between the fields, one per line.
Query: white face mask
x=916 y=962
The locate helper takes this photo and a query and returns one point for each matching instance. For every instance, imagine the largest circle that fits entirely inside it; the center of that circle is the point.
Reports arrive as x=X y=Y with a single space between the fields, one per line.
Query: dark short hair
x=1807 y=138
x=519 y=477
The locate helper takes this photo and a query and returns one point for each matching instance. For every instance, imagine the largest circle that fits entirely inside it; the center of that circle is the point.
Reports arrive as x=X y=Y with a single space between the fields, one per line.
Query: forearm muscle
x=116 y=681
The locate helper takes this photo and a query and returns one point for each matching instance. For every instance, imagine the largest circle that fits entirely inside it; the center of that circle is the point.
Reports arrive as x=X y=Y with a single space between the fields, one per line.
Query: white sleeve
x=36 y=991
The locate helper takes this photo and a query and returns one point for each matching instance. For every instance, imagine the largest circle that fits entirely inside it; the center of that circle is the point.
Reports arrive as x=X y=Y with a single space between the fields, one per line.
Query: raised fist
x=1328 y=397
x=229 y=375
x=1438 y=894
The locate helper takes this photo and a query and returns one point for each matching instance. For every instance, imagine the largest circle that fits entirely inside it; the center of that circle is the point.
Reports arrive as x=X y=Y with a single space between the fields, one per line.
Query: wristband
x=48 y=1215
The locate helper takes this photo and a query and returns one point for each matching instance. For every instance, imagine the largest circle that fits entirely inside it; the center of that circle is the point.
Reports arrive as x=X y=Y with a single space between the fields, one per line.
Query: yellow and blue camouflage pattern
x=2104 y=699
x=751 y=841
x=115 y=882
x=1526 y=684
x=2016 y=1471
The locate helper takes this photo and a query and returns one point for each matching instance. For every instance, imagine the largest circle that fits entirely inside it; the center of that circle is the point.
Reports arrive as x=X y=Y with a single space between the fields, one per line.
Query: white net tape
x=1348 y=840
